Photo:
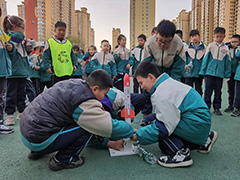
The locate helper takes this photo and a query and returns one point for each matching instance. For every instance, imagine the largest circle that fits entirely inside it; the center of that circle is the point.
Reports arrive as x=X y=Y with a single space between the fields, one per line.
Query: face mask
x=17 y=37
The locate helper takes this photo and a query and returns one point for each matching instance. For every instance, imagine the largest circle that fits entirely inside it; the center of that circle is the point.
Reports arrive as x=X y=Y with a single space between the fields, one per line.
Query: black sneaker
x=212 y=138
x=235 y=113
x=56 y=165
x=229 y=109
x=34 y=155
x=6 y=129
x=217 y=112
x=182 y=158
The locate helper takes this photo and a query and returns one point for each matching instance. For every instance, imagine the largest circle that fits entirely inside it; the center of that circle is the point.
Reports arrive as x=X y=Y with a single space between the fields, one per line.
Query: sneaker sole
x=182 y=164
x=6 y=132
x=210 y=146
x=57 y=168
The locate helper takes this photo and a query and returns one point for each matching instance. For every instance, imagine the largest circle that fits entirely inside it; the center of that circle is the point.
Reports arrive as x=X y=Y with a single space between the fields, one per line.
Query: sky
x=108 y=14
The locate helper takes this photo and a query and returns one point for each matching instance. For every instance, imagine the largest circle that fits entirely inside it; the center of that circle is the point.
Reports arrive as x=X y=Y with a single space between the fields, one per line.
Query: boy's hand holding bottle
x=9 y=47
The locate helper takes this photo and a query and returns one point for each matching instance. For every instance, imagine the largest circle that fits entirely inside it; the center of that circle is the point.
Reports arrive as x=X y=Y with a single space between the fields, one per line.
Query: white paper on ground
x=128 y=149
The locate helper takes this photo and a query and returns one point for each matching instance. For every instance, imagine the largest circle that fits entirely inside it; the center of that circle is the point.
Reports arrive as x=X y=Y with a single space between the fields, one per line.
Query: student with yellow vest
x=58 y=56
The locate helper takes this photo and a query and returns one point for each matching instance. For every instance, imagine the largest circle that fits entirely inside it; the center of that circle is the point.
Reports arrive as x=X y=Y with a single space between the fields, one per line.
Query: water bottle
x=190 y=68
x=147 y=156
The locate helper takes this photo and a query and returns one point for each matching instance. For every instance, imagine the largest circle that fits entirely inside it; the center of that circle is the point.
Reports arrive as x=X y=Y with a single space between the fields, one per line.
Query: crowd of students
x=181 y=120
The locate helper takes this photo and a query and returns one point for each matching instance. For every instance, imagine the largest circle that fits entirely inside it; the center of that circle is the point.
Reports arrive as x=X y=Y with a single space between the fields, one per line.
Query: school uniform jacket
x=5 y=61
x=196 y=56
x=67 y=103
x=216 y=61
x=237 y=74
x=104 y=60
x=232 y=54
x=47 y=57
x=171 y=60
x=124 y=59
x=181 y=109
x=137 y=53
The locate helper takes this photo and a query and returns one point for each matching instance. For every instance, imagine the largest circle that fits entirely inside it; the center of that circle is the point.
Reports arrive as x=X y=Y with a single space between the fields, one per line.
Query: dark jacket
x=53 y=109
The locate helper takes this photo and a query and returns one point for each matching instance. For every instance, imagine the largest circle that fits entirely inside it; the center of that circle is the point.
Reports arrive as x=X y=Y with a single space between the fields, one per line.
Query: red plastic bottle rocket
x=127 y=112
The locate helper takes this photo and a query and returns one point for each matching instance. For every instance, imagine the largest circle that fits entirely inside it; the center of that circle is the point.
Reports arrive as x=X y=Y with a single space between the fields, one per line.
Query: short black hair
x=100 y=78
x=76 y=47
x=60 y=24
x=194 y=32
x=166 y=28
x=104 y=41
x=179 y=32
x=154 y=29
x=142 y=36
x=219 y=30
x=236 y=36
x=146 y=68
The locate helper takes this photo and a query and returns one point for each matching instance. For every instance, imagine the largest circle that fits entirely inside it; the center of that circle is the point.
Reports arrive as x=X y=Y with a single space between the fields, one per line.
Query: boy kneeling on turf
x=64 y=117
x=182 y=120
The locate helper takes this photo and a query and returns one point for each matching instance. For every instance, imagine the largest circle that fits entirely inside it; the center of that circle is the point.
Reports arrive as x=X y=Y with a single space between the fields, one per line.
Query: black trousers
x=173 y=143
x=237 y=95
x=136 y=86
x=231 y=89
x=56 y=79
x=76 y=77
x=69 y=143
x=43 y=84
x=148 y=104
x=16 y=95
x=36 y=84
x=213 y=84
x=30 y=90
x=2 y=91
x=196 y=83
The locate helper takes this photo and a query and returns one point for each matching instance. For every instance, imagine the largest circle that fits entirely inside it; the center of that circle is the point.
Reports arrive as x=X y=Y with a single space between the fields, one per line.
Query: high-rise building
x=83 y=28
x=3 y=7
x=41 y=20
x=227 y=15
x=207 y=21
x=115 y=33
x=59 y=10
x=21 y=12
x=142 y=19
x=237 y=17
x=183 y=23
x=31 y=19
x=196 y=15
x=92 y=37
x=41 y=15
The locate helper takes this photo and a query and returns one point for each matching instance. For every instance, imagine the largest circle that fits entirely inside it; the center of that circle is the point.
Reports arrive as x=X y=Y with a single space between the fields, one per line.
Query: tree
x=73 y=39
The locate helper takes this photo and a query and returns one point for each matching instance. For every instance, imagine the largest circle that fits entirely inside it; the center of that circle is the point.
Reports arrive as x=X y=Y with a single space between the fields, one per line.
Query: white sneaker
x=9 y=120
x=19 y=116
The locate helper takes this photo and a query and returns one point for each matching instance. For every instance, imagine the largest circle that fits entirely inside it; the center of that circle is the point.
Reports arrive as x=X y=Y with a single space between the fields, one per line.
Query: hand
x=128 y=66
x=135 y=130
x=36 y=67
x=134 y=137
x=119 y=54
x=117 y=145
x=114 y=77
x=186 y=67
x=9 y=47
x=74 y=68
x=49 y=71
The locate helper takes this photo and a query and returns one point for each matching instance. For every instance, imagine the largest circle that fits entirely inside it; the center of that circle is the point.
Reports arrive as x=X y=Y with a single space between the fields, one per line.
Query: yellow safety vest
x=61 y=58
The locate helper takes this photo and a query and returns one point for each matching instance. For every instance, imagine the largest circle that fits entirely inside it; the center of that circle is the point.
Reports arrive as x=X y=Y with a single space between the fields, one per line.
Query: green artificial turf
x=222 y=163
